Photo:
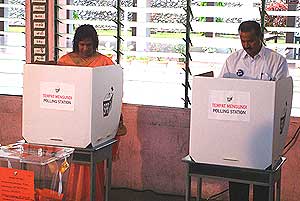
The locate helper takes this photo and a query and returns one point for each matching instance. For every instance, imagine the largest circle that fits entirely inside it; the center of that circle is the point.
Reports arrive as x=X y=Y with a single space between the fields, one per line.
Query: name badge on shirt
x=240 y=72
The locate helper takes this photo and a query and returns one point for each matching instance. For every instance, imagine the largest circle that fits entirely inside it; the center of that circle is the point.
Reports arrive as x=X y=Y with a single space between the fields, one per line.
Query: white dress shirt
x=266 y=65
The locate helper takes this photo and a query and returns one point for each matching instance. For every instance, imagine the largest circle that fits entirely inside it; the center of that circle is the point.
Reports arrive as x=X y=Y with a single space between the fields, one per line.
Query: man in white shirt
x=254 y=61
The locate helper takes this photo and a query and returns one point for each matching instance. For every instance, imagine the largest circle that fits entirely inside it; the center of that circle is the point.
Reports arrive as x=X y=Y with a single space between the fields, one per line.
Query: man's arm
x=282 y=70
x=225 y=70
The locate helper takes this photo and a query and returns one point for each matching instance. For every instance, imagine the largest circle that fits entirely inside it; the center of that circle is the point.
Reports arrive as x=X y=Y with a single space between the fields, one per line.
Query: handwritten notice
x=57 y=96
x=38 y=8
x=39 y=33
x=40 y=58
x=39 y=16
x=39 y=28
x=39 y=50
x=39 y=25
x=38 y=1
x=229 y=105
x=16 y=185
x=39 y=41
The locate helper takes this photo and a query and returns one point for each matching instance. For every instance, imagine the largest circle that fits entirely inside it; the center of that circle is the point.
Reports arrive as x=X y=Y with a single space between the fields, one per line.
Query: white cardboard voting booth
x=241 y=123
x=71 y=106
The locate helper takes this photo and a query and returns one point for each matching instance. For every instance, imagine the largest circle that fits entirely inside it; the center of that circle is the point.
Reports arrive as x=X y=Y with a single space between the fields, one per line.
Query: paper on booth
x=229 y=105
x=57 y=96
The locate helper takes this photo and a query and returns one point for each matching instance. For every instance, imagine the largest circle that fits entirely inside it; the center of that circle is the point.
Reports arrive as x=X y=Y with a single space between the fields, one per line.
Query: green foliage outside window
x=217 y=19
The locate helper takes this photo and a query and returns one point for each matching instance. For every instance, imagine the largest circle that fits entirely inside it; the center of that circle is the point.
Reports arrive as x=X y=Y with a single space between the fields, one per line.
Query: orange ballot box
x=241 y=123
x=33 y=172
x=71 y=106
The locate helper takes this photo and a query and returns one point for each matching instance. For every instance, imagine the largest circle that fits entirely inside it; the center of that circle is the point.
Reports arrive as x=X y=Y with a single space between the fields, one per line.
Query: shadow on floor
x=125 y=194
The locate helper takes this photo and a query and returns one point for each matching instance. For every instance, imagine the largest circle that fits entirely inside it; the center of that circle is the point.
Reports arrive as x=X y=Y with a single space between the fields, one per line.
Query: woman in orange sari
x=85 y=54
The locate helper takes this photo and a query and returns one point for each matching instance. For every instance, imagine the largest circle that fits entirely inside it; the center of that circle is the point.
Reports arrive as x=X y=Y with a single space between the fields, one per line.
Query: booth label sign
x=229 y=105
x=57 y=96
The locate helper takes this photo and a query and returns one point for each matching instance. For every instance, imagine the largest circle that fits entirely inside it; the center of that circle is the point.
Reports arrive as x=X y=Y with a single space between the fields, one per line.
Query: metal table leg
x=92 y=178
x=187 y=184
x=278 y=188
x=271 y=191
x=199 y=189
x=108 y=178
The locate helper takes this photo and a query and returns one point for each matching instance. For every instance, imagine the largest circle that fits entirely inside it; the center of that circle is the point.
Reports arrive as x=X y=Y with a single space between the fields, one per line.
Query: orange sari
x=79 y=176
x=73 y=59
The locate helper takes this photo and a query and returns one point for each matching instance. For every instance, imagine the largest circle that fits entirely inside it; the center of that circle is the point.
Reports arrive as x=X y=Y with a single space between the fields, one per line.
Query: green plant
x=180 y=48
x=217 y=19
x=75 y=17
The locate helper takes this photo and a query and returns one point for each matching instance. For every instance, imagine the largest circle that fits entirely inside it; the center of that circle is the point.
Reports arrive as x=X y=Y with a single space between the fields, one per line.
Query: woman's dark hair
x=249 y=26
x=85 y=31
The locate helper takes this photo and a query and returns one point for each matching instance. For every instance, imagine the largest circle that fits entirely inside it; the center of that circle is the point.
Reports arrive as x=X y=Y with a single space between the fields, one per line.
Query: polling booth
x=71 y=106
x=70 y=115
x=238 y=129
x=239 y=123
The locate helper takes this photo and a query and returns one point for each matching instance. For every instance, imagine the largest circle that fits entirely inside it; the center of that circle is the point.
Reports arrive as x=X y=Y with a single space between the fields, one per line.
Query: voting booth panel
x=241 y=123
x=71 y=106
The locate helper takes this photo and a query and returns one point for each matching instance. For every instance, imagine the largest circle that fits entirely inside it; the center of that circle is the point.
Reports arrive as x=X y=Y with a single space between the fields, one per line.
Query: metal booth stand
x=92 y=156
x=236 y=174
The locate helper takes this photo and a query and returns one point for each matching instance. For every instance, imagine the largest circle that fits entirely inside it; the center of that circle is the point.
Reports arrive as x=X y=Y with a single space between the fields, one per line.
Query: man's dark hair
x=249 y=26
x=85 y=31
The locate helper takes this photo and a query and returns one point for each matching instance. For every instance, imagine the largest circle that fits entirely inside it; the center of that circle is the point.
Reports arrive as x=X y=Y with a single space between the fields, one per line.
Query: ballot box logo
x=107 y=102
x=283 y=118
x=229 y=98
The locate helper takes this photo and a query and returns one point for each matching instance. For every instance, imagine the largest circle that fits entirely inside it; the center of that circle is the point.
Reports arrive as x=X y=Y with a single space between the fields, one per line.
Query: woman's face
x=85 y=48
